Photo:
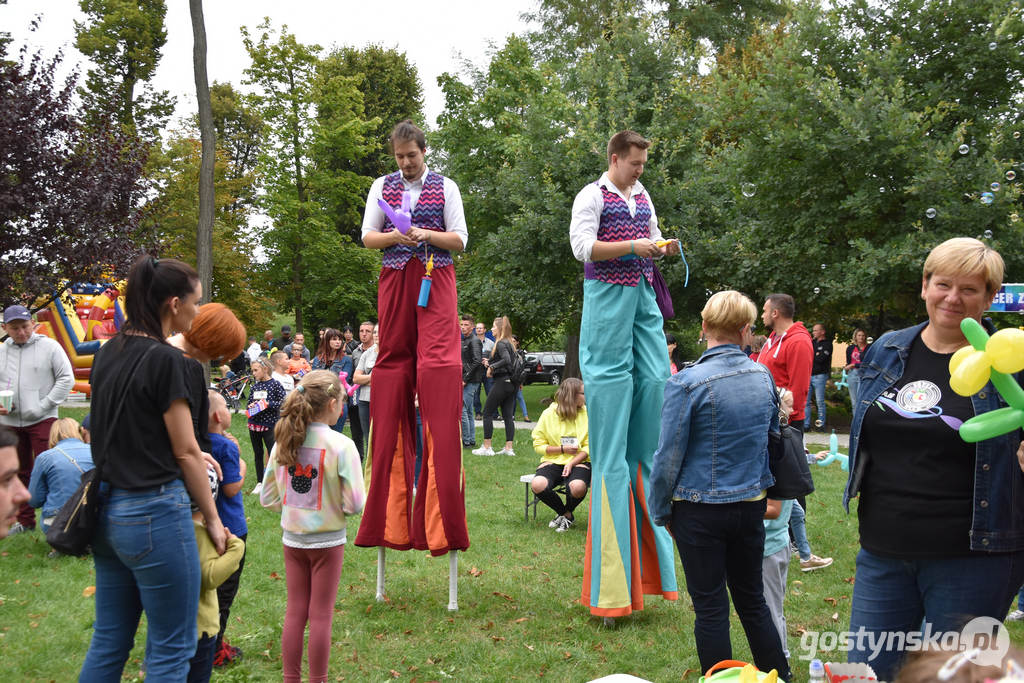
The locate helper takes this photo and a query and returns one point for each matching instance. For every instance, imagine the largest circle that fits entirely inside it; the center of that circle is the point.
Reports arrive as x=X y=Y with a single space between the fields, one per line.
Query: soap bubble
x=748 y=189
x=823 y=266
x=1016 y=135
x=988 y=234
x=1014 y=217
x=995 y=187
x=882 y=190
x=987 y=197
x=964 y=149
x=992 y=46
x=1011 y=175
x=969 y=76
x=817 y=290
x=931 y=212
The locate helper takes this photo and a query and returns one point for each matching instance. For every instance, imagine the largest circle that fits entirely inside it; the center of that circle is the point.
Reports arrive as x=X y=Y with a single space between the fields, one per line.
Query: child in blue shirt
x=231 y=508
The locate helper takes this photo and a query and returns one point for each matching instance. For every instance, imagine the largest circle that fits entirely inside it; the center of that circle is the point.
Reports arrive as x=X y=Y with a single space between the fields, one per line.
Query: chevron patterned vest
x=428 y=214
x=617 y=226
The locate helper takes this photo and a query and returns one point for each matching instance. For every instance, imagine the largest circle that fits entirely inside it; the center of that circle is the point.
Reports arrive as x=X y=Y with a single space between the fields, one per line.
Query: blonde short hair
x=728 y=313
x=966 y=256
x=64 y=428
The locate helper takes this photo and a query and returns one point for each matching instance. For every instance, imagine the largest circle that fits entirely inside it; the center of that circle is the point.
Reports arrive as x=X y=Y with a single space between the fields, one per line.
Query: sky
x=437 y=37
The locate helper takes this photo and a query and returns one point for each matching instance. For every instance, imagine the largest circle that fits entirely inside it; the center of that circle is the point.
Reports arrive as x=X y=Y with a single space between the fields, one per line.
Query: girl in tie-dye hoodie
x=314 y=479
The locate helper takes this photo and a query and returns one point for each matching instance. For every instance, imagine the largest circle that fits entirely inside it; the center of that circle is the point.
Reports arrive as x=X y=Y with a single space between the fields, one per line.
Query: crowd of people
x=677 y=453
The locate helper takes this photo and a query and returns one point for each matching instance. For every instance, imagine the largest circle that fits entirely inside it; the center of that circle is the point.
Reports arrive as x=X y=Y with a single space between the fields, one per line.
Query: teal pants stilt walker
x=624 y=362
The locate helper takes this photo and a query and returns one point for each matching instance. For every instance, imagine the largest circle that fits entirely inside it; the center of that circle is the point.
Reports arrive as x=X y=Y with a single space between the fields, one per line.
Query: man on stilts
x=419 y=353
x=624 y=362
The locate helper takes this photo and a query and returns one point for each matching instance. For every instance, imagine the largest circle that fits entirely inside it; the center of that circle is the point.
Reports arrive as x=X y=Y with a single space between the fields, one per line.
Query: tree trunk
x=204 y=231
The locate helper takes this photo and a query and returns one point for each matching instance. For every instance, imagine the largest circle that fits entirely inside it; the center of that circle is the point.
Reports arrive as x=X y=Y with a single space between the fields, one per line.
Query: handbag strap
x=70 y=459
x=120 y=404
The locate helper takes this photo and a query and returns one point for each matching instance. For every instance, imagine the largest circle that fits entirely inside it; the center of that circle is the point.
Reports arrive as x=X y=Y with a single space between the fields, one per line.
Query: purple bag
x=662 y=295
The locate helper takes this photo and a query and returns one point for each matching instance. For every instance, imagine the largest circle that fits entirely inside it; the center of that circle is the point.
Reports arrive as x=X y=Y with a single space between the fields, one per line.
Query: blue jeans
x=895 y=596
x=723 y=545
x=522 y=403
x=145 y=555
x=818 y=391
x=853 y=384
x=470 y=392
x=798 y=528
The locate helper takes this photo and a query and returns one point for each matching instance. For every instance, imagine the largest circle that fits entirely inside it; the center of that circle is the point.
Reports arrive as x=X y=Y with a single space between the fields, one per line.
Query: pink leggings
x=312 y=576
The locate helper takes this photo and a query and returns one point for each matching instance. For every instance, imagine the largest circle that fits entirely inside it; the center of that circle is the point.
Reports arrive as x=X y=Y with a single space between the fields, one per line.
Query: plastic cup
x=6 y=398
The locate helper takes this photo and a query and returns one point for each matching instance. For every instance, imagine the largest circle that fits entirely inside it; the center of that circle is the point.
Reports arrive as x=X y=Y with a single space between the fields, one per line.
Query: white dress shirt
x=586 y=215
x=454 y=218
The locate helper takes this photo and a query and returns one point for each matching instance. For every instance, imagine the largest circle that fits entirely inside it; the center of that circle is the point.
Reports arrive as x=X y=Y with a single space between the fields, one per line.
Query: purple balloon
x=402 y=218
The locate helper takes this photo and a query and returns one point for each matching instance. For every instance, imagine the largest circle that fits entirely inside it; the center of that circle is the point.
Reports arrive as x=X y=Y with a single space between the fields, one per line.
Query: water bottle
x=816 y=673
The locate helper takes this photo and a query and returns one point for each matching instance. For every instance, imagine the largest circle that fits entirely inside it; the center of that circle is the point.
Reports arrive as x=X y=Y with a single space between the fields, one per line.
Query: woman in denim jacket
x=709 y=479
x=941 y=520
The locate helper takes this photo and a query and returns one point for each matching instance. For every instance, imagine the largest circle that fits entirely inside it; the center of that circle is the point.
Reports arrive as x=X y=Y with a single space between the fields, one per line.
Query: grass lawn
x=518 y=613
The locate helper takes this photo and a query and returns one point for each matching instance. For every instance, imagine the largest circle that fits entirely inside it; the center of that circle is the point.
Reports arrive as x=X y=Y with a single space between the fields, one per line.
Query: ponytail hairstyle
x=264 y=363
x=216 y=332
x=565 y=398
x=151 y=284
x=300 y=408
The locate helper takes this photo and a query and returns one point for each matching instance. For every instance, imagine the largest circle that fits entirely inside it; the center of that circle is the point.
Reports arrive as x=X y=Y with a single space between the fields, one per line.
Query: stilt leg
x=453 y=581
x=380 y=574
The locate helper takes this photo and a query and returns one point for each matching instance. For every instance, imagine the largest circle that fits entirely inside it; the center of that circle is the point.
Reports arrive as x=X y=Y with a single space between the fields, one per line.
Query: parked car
x=544 y=366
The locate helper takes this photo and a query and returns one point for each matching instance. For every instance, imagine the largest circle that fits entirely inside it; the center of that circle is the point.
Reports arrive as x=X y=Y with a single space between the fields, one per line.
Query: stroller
x=233 y=390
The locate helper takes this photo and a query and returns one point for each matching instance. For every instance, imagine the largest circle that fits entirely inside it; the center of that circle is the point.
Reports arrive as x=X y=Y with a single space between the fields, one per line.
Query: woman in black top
x=144 y=548
x=503 y=393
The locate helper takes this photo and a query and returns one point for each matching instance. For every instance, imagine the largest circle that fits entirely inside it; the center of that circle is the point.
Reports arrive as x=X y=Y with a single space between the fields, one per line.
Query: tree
x=123 y=39
x=391 y=92
x=307 y=256
x=60 y=210
x=204 y=231
x=237 y=281
x=829 y=164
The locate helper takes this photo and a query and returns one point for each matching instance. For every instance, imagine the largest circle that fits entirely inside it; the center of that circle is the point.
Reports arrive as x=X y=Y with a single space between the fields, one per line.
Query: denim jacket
x=998 y=524
x=714 y=432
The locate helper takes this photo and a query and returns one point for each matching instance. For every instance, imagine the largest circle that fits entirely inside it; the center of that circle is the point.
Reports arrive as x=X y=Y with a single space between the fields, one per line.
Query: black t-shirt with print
x=918 y=489
x=136 y=453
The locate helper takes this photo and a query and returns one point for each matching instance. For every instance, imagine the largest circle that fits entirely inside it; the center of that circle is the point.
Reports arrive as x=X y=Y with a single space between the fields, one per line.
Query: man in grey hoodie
x=37 y=372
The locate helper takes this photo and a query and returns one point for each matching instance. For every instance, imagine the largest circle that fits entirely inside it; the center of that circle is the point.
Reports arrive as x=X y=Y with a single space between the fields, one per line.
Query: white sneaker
x=483 y=450
x=1015 y=615
x=506 y=451
x=565 y=524
x=259 y=488
x=814 y=562
x=553 y=524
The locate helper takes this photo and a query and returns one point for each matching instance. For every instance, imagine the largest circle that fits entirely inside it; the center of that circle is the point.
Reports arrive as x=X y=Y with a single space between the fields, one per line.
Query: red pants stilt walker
x=419 y=354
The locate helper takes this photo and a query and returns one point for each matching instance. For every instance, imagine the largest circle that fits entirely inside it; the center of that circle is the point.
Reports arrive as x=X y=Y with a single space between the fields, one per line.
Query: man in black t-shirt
x=821 y=368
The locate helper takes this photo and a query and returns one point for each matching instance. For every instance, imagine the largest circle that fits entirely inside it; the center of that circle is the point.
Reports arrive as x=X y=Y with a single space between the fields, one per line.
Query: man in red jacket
x=788 y=353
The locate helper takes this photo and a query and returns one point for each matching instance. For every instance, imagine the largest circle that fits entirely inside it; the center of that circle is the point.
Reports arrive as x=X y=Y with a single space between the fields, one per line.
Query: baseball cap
x=286 y=328
x=16 y=312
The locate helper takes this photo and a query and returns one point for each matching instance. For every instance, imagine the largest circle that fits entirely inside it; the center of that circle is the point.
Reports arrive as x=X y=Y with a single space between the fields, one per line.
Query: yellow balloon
x=1005 y=350
x=970 y=375
x=959 y=357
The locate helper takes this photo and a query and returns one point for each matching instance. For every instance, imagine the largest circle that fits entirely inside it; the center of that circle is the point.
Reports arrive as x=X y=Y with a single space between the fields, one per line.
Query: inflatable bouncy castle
x=93 y=315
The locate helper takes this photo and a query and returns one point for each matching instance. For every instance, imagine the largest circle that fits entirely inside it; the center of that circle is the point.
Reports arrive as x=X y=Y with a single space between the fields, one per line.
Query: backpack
x=518 y=374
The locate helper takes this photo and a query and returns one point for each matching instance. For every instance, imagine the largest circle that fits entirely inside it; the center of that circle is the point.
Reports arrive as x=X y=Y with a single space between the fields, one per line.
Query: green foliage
x=173 y=215
x=311 y=268
x=123 y=39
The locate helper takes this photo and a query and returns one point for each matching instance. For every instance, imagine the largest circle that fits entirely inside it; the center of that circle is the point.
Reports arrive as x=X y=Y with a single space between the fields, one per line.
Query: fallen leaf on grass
x=832 y=601
x=34 y=624
x=835 y=616
x=530 y=648
x=686 y=674
x=475 y=572
x=379 y=636
x=395 y=674
x=521 y=620
x=567 y=655
x=504 y=595
x=89 y=590
x=407 y=631
x=497 y=638
x=489 y=625
x=275 y=576
x=849 y=579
